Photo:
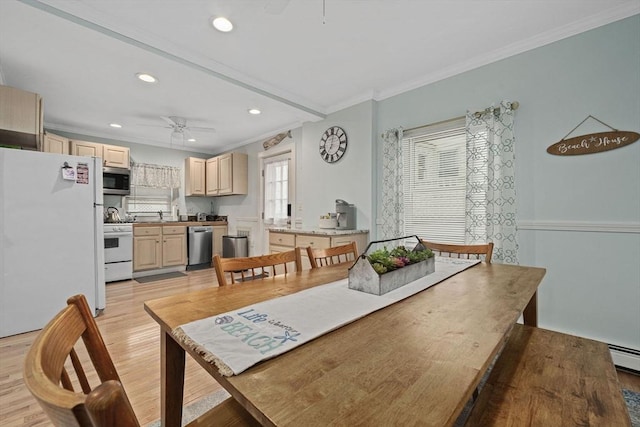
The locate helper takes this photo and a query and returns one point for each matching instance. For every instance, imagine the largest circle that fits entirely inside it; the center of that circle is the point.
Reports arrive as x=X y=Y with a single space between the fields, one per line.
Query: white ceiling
x=290 y=58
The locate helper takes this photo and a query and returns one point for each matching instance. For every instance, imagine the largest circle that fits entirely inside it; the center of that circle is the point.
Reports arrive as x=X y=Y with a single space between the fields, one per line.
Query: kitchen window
x=147 y=201
x=434 y=159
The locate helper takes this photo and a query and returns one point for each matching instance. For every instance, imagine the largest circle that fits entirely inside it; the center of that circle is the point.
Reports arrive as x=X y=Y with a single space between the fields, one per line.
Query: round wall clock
x=333 y=144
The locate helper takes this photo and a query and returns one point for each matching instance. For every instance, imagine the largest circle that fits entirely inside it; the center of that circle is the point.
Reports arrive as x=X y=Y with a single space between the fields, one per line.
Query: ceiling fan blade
x=201 y=129
x=168 y=120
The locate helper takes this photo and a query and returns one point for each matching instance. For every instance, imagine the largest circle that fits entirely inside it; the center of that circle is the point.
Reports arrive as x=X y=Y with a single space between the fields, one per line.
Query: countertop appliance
x=199 y=246
x=118 y=251
x=52 y=245
x=201 y=216
x=346 y=215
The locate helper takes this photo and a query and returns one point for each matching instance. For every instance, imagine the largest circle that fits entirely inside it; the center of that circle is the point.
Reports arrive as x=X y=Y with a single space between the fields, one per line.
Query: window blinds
x=435 y=182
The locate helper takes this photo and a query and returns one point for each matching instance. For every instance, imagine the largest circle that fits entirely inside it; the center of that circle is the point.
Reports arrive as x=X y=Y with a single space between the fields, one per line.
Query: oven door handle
x=118 y=234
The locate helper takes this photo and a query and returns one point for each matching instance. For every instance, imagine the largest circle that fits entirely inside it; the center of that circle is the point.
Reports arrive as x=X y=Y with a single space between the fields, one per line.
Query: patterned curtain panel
x=155 y=176
x=392 y=214
x=491 y=193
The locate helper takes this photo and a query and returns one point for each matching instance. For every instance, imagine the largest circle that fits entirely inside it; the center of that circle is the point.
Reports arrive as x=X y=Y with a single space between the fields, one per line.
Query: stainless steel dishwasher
x=199 y=246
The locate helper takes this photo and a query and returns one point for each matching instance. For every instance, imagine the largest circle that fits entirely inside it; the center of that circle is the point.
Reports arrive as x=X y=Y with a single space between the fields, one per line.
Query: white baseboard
x=625 y=360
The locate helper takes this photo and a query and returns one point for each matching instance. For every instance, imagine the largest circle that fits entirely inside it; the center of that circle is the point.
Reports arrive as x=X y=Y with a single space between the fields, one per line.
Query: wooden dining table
x=415 y=362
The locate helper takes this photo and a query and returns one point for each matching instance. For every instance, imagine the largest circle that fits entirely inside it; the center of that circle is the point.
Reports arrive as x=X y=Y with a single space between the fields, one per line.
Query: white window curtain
x=392 y=198
x=491 y=193
x=155 y=176
x=276 y=191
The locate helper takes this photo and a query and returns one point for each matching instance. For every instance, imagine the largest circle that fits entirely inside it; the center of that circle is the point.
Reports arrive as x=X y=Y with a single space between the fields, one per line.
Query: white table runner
x=239 y=339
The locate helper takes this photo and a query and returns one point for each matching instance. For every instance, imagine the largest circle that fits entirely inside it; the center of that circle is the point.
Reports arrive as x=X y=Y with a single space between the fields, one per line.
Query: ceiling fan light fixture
x=191 y=140
x=222 y=24
x=254 y=111
x=147 y=78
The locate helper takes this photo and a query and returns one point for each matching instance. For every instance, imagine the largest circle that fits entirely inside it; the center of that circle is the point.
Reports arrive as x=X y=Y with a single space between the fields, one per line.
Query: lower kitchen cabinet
x=147 y=248
x=157 y=247
x=174 y=245
x=282 y=241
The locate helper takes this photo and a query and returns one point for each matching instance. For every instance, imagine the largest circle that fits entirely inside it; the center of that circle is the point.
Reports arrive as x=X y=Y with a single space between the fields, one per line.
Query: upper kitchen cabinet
x=194 y=176
x=21 y=121
x=115 y=156
x=231 y=177
x=212 y=176
x=53 y=143
x=85 y=148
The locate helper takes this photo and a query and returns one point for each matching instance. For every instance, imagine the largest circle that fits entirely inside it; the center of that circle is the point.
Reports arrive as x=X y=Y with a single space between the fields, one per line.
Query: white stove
x=118 y=251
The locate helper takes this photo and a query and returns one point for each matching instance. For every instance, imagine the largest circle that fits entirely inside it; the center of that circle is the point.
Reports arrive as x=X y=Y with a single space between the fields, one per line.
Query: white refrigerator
x=51 y=236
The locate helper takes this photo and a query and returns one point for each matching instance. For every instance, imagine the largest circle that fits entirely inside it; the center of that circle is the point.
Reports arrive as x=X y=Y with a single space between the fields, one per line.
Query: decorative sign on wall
x=592 y=142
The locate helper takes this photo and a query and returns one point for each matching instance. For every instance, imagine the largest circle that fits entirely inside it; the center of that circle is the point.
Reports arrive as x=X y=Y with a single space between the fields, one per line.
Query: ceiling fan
x=181 y=132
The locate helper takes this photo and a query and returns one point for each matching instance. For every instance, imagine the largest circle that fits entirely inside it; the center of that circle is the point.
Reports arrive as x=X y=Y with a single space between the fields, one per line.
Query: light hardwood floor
x=133 y=339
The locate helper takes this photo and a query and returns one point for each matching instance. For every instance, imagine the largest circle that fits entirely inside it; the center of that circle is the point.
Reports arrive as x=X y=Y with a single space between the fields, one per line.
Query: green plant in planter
x=383 y=260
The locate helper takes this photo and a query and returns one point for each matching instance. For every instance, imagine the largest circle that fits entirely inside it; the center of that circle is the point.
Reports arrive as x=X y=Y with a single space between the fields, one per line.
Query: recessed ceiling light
x=191 y=140
x=147 y=78
x=115 y=125
x=222 y=24
x=254 y=111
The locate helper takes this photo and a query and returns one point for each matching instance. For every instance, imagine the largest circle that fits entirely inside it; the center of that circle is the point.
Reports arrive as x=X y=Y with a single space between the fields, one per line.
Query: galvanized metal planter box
x=363 y=277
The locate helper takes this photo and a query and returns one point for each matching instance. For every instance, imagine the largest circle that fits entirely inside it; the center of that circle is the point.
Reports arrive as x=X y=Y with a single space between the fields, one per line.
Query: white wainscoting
x=592 y=285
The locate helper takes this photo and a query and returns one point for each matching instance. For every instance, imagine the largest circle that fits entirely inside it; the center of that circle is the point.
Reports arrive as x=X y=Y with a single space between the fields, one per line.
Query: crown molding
x=578 y=27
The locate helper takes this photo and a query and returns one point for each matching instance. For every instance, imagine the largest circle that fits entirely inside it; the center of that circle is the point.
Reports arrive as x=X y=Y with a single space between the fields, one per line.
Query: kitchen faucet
x=160 y=213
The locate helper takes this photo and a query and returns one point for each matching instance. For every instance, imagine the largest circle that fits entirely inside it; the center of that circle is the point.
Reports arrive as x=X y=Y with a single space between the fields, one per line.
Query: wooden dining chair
x=461 y=251
x=68 y=355
x=334 y=255
x=257 y=267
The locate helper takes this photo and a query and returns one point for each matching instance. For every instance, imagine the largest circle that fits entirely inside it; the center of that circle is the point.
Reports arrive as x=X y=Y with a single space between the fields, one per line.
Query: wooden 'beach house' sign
x=593 y=142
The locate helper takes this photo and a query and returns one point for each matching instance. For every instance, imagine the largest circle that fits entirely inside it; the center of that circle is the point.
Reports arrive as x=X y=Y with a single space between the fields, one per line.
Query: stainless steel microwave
x=115 y=181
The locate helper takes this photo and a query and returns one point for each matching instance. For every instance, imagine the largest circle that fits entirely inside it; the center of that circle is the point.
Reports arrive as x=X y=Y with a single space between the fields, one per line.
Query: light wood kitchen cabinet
x=218 y=232
x=232 y=174
x=147 y=248
x=227 y=175
x=85 y=148
x=194 y=176
x=286 y=241
x=212 y=176
x=22 y=113
x=174 y=245
x=114 y=156
x=53 y=143
x=157 y=247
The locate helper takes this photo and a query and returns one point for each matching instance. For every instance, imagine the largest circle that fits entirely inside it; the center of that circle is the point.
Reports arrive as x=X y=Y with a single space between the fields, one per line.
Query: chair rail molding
x=581 y=226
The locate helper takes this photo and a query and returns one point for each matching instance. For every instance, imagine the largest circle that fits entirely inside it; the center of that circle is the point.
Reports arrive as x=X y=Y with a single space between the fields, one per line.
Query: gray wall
x=592 y=286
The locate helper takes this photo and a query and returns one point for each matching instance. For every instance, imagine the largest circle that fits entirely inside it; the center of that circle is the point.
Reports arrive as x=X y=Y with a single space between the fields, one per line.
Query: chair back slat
x=77 y=367
x=461 y=251
x=256 y=267
x=335 y=255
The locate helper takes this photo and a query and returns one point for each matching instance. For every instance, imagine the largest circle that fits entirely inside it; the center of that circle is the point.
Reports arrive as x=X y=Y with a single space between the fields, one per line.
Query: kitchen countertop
x=186 y=223
x=317 y=231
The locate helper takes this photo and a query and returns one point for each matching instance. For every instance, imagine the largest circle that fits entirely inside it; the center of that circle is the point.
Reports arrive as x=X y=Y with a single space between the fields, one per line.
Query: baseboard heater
x=627 y=358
